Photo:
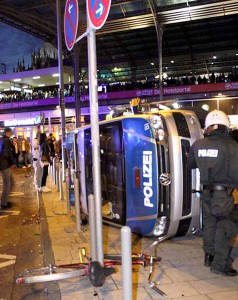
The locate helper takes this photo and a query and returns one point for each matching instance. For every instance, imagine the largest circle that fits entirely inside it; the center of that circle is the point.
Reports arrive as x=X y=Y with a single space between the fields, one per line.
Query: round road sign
x=98 y=11
x=70 y=22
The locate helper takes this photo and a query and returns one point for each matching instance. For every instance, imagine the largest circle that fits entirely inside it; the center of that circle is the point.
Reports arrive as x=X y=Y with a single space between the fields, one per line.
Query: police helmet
x=217 y=117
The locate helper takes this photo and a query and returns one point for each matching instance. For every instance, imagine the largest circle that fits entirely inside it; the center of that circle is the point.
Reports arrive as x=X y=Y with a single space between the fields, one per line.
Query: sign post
x=61 y=87
x=97 y=12
x=93 y=98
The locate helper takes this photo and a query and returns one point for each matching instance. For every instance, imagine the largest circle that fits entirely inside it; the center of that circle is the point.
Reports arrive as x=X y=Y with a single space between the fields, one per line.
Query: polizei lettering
x=147 y=178
x=207 y=153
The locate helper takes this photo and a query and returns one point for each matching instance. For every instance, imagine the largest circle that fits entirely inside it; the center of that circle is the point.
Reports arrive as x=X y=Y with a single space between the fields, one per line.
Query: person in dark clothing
x=58 y=147
x=234 y=134
x=45 y=161
x=216 y=156
x=7 y=162
x=50 y=141
x=15 y=150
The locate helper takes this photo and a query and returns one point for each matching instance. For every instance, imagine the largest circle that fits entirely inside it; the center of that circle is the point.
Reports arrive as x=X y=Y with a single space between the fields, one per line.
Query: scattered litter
x=70 y=229
x=60 y=214
x=34 y=219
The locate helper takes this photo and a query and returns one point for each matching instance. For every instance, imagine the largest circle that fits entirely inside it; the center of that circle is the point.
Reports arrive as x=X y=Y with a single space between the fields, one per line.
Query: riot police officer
x=216 y=156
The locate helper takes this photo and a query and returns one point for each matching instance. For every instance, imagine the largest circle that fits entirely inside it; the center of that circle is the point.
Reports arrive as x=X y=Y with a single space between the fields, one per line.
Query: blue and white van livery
x=145 y=181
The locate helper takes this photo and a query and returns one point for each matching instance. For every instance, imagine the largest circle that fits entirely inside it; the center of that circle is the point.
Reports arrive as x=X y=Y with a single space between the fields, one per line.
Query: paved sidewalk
x=181 y=273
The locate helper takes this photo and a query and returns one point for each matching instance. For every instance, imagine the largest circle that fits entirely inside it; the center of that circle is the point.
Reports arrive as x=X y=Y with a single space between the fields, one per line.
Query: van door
x=112 y=173
x=141 y=175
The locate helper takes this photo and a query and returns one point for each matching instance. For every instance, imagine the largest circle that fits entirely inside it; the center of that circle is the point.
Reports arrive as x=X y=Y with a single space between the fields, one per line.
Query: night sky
x=16 y=44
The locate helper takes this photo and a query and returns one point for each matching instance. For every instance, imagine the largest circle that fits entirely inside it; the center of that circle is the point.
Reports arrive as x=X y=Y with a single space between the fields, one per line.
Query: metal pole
x=159 y=33
x=61 y=85
x=49 y=123
x=61 y=183
x=77 y=204
x=67 y=191
x=93 y=96
x=160 y=37
x=126 y=262
x=57 y=177
x=92 y=228
x=76 y=92
x=54 y=170
x=50 y=170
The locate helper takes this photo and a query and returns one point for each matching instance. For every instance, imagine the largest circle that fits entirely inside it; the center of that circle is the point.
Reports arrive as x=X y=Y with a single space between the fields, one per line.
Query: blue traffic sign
x=98 y=11
x=70 y=23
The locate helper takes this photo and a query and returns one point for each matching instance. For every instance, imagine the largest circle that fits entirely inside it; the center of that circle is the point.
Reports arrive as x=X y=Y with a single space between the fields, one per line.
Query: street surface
x=21 y=243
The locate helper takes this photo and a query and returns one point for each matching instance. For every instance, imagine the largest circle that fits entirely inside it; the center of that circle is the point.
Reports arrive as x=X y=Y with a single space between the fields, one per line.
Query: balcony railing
x=127 y=95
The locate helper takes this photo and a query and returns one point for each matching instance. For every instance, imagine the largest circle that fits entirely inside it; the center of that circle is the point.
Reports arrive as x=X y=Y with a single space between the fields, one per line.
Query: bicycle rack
x=152 y=284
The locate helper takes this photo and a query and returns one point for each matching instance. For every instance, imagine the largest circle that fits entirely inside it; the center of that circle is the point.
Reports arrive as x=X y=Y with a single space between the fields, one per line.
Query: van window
x=112 y=172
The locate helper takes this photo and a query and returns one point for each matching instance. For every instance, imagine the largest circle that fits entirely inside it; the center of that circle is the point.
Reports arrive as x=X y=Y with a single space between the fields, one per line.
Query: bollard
x=54 y=170
x=57 y=176
x=51 y=171
x=77 y=204
x=126 y=262
x=92 y=227
x=68 y=191
x=61 y=183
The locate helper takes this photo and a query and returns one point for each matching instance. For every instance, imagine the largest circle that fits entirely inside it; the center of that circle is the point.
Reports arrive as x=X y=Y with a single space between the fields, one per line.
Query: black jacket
x=216 y=156
x=6 y=157
x=45 y=151
x=51 y=145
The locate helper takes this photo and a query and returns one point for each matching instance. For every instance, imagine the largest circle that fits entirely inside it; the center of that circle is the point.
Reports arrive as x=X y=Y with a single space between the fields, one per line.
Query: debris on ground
x=34 y=219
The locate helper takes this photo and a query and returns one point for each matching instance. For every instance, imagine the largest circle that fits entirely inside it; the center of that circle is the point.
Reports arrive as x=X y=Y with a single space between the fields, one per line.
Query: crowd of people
x=44 y=150
x=23 y=149
x=52 y=91
x=19 y=152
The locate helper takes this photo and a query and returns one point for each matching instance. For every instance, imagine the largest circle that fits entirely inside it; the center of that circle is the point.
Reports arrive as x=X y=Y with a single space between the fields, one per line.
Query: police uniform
x=216 y=156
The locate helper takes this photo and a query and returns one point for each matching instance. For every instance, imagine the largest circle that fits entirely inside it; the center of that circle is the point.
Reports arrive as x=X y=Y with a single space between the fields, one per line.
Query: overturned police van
x=145 y=181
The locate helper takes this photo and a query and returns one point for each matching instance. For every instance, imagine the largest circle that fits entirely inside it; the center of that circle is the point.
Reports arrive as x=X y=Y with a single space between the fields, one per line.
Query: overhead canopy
x=199 y=37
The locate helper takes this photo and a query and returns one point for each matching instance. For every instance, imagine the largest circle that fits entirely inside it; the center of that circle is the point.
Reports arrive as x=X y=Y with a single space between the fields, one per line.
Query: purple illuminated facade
x=127 y=95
